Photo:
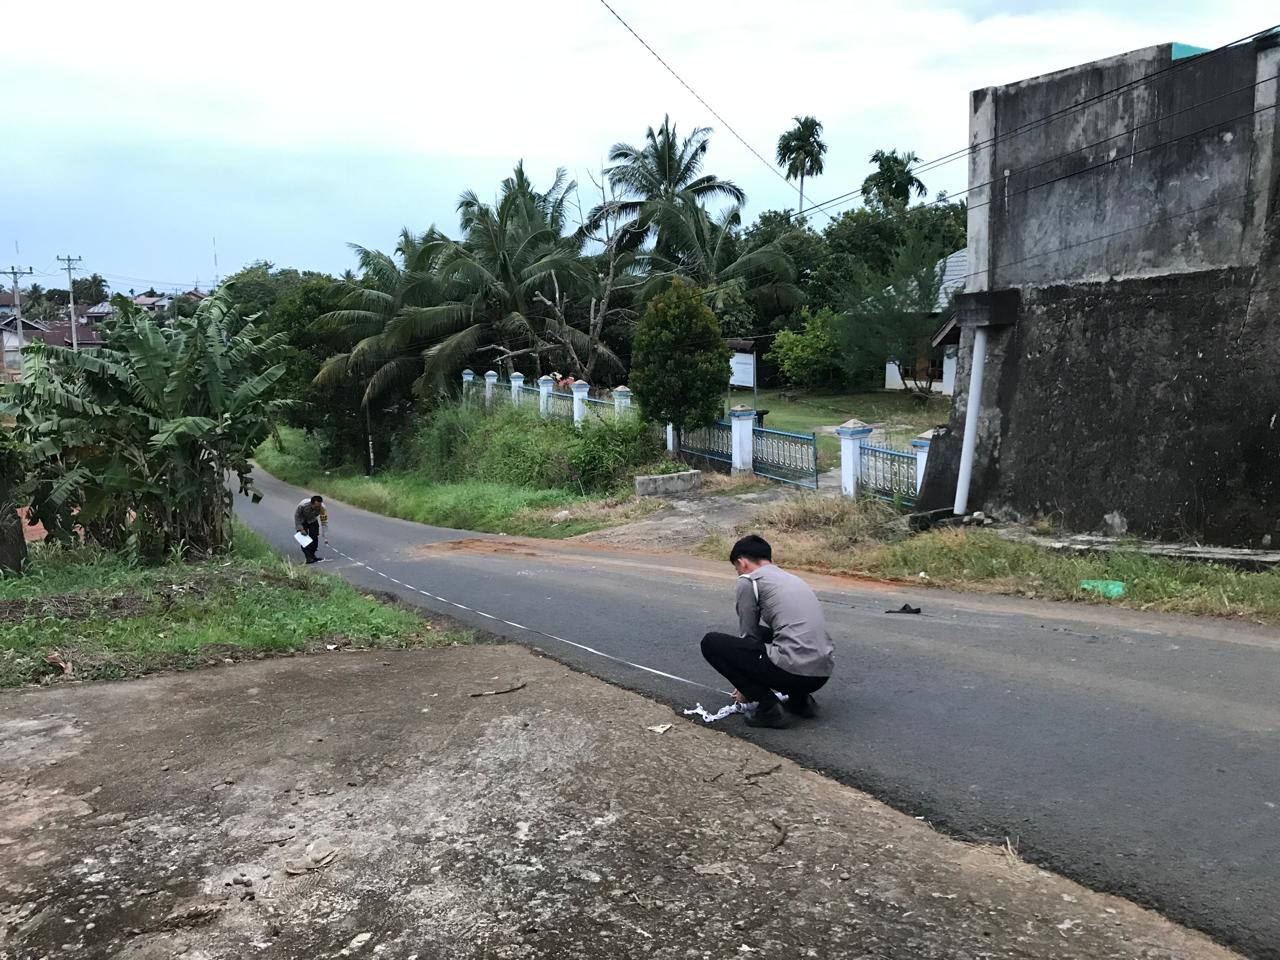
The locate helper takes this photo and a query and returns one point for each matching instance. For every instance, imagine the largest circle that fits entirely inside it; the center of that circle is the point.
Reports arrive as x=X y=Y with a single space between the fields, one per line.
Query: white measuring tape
x=521 y=626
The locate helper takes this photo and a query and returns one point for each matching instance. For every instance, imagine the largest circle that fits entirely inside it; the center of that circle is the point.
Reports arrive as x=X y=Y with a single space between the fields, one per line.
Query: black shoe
x=771 y=717
x=309 y=561
x=801 y=705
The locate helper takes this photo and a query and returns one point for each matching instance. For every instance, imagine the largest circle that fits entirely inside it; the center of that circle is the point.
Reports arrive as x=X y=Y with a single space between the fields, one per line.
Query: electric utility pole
x=70 y=261
x=14 y=273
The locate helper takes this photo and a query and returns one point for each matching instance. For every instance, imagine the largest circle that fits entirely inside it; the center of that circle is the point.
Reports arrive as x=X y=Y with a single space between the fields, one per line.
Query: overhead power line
x=1127 y=133
x=715 y=113
x=852 y=196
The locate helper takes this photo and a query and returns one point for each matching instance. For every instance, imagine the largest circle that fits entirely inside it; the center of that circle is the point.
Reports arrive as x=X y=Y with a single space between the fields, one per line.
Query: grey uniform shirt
x=795 y=631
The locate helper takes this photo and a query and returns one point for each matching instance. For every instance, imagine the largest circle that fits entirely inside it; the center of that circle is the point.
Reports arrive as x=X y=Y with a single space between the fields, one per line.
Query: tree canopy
x=679 y=361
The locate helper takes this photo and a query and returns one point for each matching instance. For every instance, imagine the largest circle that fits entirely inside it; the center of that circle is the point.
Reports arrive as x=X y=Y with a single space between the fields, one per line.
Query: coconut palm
x=706 y=252
x=665 y=167
x=387 y=285
x=893 y=180
x=800 y=152
x=490 y=292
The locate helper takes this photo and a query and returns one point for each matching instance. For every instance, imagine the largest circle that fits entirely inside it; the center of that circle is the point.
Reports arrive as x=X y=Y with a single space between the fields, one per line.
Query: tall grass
x=505 y=471
x=868 y=537
x=106 y=617
x=463 y=441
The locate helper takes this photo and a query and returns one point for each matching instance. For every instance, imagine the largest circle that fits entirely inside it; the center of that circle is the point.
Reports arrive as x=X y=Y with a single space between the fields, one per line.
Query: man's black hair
x=317 y=499
x=752 y=547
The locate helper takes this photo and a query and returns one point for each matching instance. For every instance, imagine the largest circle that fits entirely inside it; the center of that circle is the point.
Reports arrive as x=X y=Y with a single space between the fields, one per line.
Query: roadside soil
x=370 y=804
x=683 y=523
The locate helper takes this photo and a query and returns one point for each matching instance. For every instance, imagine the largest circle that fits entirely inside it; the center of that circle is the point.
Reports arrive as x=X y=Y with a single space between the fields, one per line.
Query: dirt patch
x=367 y=805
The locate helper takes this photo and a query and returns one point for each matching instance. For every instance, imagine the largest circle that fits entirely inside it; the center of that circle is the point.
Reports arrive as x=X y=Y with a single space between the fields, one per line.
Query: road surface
x=1132 y=752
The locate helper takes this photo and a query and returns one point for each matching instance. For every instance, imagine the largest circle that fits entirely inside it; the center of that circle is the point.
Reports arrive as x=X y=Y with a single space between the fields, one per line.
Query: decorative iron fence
x=601 y=409
x=785 y=456
x=712 y=445
x=560 y=405
x=889 y=474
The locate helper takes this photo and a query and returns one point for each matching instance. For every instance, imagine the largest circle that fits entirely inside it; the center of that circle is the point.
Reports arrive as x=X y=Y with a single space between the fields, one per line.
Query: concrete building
x=1122 y=308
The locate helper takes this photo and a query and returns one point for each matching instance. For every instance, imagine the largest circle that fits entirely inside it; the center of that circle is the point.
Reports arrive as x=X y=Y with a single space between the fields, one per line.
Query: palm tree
x=388 y=284
x=486 y=294
x=705 y=251
x=649 y=176
x=893 y=180
x=800 y=152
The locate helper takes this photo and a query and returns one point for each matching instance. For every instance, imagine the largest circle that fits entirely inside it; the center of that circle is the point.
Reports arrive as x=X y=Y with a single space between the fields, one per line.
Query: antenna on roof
x=215 y=263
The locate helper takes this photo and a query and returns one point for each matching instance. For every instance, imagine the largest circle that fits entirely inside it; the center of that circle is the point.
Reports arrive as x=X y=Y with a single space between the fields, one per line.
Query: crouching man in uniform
x=782 y=643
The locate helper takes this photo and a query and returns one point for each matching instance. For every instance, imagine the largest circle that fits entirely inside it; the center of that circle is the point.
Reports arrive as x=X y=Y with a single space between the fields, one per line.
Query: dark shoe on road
x=771 y=717
x=802 y=705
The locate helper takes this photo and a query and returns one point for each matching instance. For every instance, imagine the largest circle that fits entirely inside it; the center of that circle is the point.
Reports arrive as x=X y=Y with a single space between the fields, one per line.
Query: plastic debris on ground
x=1110 y=589
x=728 y=709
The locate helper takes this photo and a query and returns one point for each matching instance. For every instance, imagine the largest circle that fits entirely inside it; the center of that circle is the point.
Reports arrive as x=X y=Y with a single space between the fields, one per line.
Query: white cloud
x=485 y=82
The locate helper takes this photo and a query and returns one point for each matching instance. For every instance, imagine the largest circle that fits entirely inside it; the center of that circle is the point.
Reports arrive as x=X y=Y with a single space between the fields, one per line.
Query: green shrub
x=810 y=357
x=462 y=441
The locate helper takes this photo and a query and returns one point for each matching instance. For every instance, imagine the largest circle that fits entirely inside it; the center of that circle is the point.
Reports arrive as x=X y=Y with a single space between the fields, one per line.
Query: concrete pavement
x=1135 y=753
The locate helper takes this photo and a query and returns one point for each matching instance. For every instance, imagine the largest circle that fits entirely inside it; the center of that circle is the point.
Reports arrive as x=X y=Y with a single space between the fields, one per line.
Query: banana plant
x=135 y=442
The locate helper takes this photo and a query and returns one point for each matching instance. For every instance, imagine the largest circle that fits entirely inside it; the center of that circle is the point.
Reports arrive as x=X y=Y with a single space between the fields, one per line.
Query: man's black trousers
x=743 y=662
x=312 y=530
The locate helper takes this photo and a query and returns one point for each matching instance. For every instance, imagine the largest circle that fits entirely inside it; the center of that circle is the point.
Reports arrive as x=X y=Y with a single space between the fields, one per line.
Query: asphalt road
x=1132 y=752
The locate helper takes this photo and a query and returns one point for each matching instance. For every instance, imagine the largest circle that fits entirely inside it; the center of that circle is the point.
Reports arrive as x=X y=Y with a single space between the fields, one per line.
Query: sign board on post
x=742 y=370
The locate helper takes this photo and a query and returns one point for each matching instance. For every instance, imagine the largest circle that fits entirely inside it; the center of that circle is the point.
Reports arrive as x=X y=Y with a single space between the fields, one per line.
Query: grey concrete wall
x=1172 y=175
x=1143 y=238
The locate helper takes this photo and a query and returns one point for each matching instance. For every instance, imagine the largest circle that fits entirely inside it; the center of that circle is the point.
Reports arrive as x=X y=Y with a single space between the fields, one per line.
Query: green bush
x=461 y=441
x=810 y=357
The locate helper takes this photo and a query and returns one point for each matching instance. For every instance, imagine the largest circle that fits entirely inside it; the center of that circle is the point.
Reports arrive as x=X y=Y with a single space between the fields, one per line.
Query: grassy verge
x=84 y=615
x=868 y=538
x=807 y=412
x=491 y=507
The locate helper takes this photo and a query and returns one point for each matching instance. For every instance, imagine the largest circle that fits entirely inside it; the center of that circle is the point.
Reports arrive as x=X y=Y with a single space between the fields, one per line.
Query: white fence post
x=517 y=388
x=742 y=420
x=468 y=378
x=490 y=381
x=621 y=400
x=545 y=385
x=580 y=391
x=671 y=438
x=851 y=457
x=921 y=447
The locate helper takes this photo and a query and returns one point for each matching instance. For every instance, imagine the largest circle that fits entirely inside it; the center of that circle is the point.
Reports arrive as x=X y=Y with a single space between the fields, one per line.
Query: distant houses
x=945 y=347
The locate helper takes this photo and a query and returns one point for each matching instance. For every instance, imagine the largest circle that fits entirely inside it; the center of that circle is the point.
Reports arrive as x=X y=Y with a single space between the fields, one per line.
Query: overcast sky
x=136 y=133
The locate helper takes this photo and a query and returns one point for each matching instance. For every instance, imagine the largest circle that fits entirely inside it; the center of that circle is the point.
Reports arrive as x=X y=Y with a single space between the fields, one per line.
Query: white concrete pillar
x=517 y=389
x=949 y=361
x=621 y=400
x=851 y=439
x=743 y=421
x=468 y=380
x=921 y=447
x=892 y=381
x=580 y=391
x=973 y=407
x=545 y=386
x=490 y=381
x=671 y=438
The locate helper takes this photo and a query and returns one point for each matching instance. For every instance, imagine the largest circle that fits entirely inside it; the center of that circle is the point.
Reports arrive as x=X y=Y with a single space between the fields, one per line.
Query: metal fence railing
x=600 y=409
x=785 y=456
x=560 y=405
x=888 y=474
x=712 y=445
